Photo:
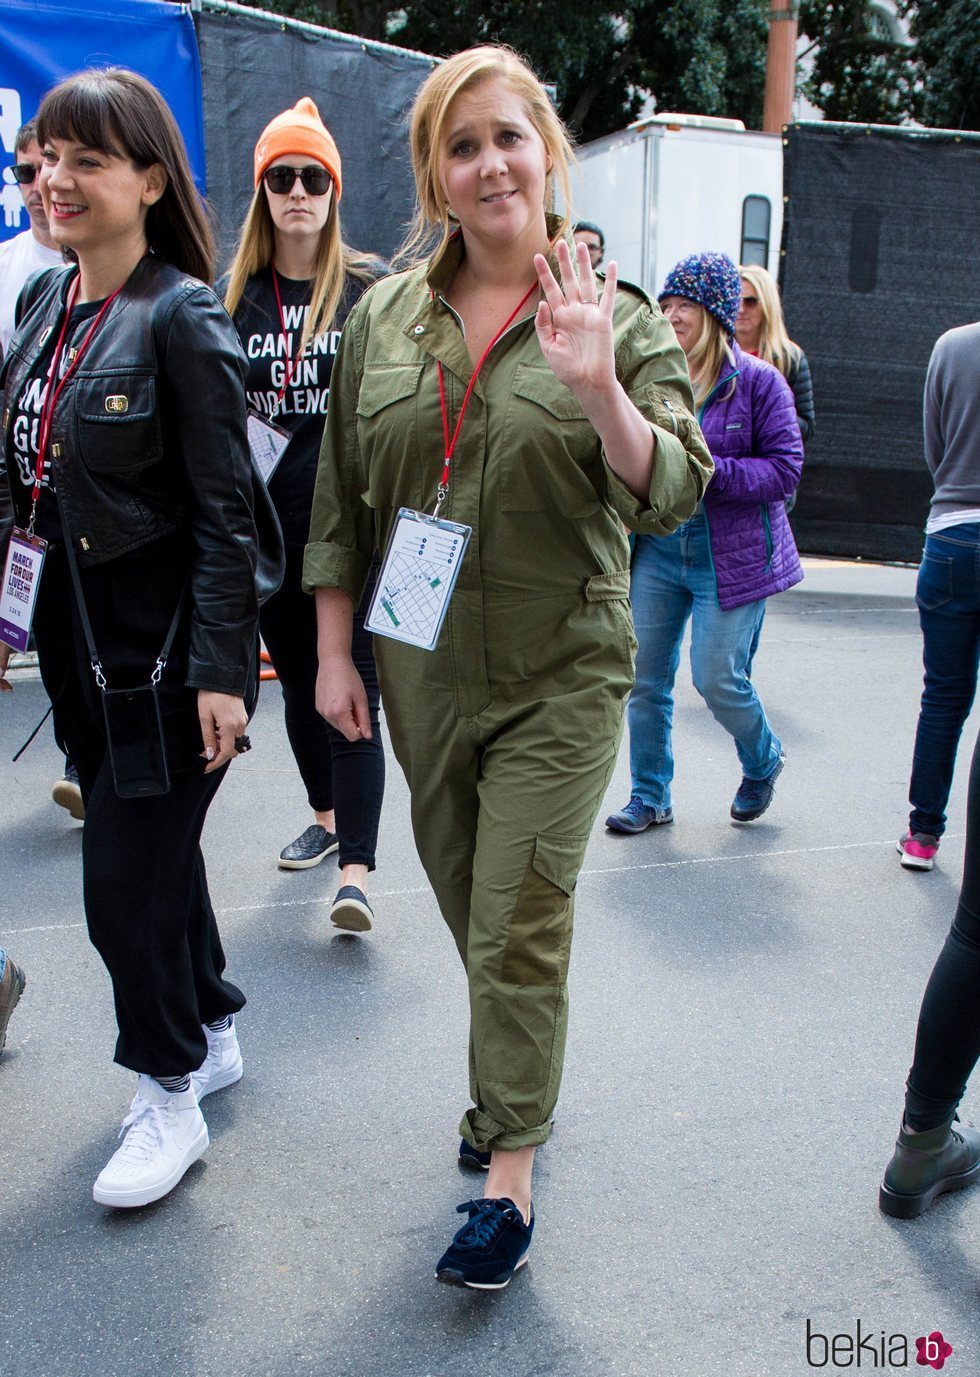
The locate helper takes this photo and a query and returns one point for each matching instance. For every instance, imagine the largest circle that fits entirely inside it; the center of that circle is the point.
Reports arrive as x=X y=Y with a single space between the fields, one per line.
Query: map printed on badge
x=417 y=578
x=266 y=441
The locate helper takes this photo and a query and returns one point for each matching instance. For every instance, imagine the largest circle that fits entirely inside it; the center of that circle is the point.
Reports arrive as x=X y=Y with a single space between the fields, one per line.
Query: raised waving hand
x=574 y=326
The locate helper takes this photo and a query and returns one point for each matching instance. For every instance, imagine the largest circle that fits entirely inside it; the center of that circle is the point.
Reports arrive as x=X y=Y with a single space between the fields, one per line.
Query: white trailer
x=671 y=185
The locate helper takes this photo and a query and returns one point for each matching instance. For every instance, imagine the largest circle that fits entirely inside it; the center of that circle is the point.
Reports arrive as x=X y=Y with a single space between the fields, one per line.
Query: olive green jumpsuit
x=507 y=732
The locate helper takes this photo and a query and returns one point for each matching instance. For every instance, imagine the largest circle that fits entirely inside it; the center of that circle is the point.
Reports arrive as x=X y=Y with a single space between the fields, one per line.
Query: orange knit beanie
x=298 y=131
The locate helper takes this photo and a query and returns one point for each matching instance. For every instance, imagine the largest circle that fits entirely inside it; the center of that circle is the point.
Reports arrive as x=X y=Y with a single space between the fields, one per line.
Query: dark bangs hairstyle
x=116 y=112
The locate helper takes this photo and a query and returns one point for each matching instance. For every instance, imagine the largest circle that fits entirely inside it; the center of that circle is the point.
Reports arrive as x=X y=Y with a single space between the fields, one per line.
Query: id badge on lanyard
x=418 y=575
x=267 y=442
x=21 y=577
x=421 y=563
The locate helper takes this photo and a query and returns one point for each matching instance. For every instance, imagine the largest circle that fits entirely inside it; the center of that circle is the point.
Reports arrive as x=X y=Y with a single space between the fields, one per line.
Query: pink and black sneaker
x=917 y=850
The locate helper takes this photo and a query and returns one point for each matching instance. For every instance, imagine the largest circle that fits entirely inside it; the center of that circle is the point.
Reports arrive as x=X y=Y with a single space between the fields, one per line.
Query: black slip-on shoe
x=309 y=849
x=351 y=910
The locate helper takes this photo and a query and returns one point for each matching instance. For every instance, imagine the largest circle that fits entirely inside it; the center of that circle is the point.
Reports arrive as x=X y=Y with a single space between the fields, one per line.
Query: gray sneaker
x=755 y=795
x=637 y=817
x=12 y=984
x=315 y=844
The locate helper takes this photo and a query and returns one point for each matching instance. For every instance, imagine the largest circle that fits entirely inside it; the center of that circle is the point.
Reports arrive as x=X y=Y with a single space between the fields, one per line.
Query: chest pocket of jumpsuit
x=118 y=426
x=387 y=427
x=551 y=457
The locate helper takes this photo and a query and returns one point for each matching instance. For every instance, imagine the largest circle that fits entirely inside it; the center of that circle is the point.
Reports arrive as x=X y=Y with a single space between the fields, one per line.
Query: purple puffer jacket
x=754 y=439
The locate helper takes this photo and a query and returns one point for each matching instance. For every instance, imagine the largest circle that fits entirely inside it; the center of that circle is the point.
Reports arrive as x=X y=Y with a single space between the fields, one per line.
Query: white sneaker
x=164 y=1134
x=223 y=1064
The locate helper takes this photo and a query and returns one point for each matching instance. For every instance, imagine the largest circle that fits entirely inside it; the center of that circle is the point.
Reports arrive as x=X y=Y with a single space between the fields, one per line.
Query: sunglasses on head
x=750 y=301
x=24 y=173
x=281 y=179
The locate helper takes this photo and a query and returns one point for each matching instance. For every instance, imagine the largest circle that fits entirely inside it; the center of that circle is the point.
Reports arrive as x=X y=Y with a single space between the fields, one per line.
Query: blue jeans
x=948 y=598
x=673 y=579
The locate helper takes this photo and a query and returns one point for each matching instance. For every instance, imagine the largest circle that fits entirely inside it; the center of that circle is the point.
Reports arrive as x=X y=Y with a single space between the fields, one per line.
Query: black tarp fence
x=880 y=258
x=255 y=65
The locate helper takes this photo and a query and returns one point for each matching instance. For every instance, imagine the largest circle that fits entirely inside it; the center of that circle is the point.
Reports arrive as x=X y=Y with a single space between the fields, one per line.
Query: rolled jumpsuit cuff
x=486 y=1134
x=672 y=481
x=328 y=565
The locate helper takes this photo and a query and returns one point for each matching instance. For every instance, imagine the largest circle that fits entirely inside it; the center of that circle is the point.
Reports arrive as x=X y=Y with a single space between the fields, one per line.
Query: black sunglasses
x=24 y=173
x=281 y=179
x=750 y=301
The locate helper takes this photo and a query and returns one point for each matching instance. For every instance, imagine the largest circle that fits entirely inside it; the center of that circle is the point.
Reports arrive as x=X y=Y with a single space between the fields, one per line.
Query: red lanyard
x=290 y=363
x=53 y=390
x=450 y=444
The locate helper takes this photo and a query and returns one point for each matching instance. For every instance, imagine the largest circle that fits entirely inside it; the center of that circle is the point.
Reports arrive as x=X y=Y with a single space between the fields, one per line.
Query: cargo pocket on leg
x=539 y=936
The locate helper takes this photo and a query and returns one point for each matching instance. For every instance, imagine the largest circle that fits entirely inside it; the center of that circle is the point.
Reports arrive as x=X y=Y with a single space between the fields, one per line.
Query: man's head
x=585 y=232
x=27 y=166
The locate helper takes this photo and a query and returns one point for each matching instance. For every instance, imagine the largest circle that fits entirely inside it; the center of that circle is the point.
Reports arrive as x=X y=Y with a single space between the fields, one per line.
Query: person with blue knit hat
x=719 y=567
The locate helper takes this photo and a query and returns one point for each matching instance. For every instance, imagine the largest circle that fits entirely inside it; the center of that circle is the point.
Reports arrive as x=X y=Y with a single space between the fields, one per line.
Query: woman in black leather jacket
x=125 y=435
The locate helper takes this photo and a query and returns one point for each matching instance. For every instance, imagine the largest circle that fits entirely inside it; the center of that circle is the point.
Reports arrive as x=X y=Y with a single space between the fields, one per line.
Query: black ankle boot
x=927 y=1164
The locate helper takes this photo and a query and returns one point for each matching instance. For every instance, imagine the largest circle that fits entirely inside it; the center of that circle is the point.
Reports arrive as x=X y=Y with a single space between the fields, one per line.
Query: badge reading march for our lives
x=417 y=578
x=21 y=576
x=267 y=442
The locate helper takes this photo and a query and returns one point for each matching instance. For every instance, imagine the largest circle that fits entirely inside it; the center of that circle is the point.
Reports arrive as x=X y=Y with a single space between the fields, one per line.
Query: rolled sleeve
x=676 y=488
x=328 y=565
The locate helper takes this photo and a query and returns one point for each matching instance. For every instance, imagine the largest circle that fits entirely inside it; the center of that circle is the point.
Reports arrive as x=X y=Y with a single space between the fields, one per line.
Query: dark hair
x=123 y=115
x=588 y=227
x=27 y=133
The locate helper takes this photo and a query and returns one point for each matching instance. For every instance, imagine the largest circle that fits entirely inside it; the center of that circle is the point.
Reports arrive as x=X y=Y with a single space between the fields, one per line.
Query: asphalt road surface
x=743 y=1007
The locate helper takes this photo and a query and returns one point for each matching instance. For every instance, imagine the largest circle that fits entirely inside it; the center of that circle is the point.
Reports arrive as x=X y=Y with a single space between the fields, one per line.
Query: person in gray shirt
x=948 y=588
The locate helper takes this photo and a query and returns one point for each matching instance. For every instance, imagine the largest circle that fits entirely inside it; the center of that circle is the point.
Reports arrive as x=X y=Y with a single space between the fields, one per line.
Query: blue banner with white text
x=43 y=41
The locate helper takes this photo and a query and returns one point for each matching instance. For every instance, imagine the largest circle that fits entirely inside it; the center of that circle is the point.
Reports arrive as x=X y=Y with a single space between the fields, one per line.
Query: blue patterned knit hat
x=710 y=279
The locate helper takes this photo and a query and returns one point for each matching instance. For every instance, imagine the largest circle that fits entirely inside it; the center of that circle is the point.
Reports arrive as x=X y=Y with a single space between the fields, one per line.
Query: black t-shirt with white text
x=303 y=408
x=25 y=420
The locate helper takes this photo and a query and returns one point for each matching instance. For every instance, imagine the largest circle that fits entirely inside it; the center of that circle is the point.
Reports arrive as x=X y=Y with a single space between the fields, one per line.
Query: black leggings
x=347 y=776
x=947 y=1040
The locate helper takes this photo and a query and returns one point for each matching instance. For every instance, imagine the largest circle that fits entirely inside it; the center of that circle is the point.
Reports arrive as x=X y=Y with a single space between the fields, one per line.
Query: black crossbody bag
x=133 y=722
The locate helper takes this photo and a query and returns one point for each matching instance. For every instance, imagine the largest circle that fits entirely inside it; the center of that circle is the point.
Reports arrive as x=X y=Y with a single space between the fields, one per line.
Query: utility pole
x=780 y=65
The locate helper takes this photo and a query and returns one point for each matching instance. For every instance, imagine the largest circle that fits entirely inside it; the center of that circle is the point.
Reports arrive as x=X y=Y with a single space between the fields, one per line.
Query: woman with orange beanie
x=292 y=284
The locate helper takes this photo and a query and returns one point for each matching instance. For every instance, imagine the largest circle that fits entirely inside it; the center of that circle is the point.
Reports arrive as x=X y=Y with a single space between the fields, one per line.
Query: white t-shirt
x=19 y=257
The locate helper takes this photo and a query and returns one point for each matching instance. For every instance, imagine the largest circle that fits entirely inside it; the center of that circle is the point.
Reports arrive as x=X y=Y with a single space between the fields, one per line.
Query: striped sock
x=174 y=1085
x=221 y=1025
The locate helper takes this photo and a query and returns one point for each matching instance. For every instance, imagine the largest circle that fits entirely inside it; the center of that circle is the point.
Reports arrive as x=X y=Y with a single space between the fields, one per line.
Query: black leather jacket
x=148 y=439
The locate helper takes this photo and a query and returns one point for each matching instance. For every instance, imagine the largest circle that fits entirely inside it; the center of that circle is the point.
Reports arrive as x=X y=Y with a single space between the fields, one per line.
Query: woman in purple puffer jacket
x=719 y=567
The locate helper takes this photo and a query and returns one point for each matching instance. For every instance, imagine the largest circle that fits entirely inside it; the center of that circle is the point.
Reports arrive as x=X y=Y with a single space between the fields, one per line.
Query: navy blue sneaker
x=637 y=817
x=755 y=795
x=470 y=1156
x=489 y=1248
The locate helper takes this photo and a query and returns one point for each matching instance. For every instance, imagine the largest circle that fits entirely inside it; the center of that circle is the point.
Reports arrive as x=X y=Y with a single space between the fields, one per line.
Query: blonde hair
x=334 y=260
x=708 y=355
x=462 y=72
x=775 y=345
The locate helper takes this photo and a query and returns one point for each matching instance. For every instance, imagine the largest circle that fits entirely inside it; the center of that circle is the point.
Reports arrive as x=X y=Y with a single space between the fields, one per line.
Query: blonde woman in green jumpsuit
x=580 y=421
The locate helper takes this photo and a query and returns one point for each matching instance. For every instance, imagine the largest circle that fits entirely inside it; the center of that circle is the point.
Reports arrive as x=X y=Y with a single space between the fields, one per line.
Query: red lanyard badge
x=53 y=389
x=290 y=363
x=450 y=444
